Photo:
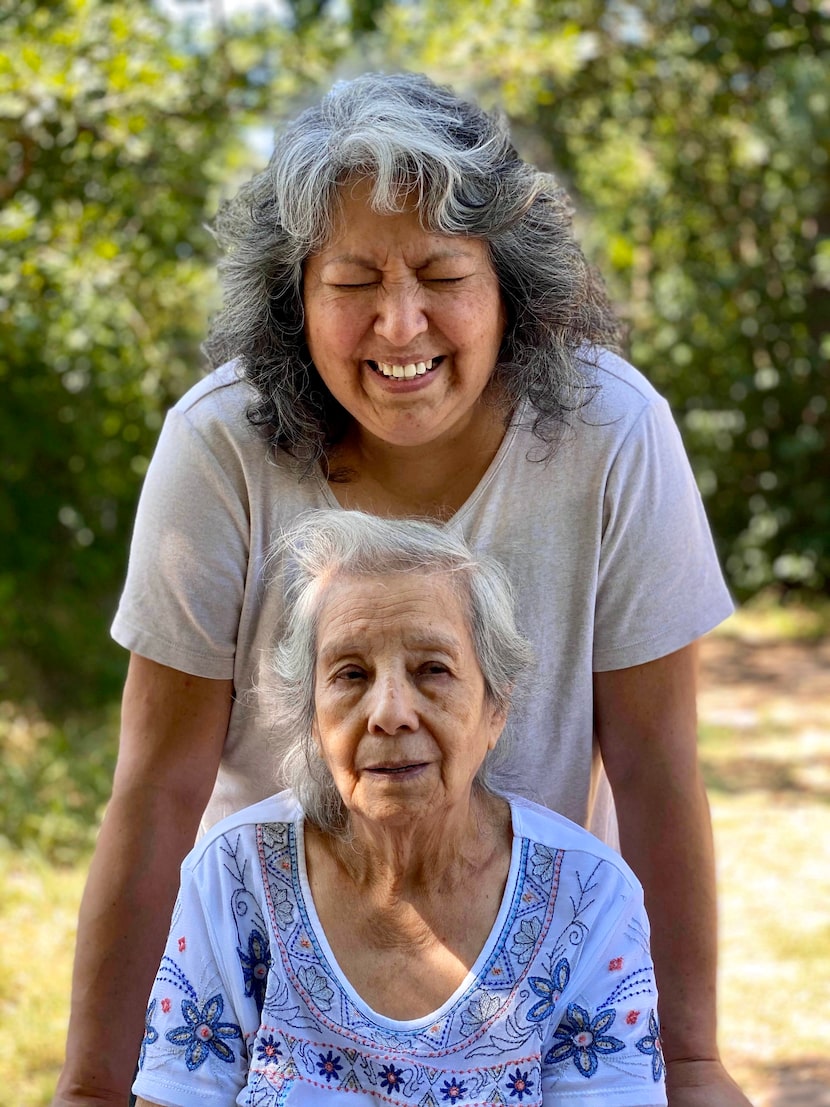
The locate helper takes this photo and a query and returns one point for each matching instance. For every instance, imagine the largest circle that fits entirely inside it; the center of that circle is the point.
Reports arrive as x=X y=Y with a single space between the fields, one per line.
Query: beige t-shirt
x=607 y=546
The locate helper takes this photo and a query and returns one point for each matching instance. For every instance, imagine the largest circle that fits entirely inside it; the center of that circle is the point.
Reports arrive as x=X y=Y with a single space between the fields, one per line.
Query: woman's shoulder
x=621 y=389
x=553 y=831
x=241 y=827
x=222 y=389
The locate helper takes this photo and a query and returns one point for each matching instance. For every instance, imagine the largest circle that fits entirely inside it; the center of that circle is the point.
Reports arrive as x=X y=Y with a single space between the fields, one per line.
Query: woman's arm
x=646 y=723
x=173 y=729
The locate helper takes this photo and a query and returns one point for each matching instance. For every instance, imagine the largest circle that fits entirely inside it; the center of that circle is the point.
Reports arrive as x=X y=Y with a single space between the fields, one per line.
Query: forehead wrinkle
x=417 y=641
x=448 y=253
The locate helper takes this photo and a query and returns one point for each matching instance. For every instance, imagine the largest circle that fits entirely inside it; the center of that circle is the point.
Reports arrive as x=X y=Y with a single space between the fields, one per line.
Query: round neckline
x=337 y=976
x=486 y=478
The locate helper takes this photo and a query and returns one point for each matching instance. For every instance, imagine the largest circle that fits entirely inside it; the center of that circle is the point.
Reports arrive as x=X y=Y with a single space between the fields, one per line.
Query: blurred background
x=694 y=139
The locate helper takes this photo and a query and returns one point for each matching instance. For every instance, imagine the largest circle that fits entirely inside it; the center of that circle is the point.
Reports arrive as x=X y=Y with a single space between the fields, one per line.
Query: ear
x=496 y=720
x=315 y=738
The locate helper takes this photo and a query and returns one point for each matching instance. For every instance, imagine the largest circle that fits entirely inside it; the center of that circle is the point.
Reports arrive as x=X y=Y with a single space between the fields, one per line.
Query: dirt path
x=765 y=714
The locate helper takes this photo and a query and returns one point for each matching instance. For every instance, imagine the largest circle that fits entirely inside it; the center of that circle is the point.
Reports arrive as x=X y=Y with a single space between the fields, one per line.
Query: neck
x=432 y=480
x=426 y=853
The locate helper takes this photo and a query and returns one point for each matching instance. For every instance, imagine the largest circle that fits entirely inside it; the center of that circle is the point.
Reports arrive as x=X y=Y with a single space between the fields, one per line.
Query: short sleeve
x=202 y=1010
x=603 y=1042
x=189 y=555
x=659 y=582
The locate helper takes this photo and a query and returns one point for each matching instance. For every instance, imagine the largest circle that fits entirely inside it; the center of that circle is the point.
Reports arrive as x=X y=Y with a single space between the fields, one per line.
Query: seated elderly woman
x=391 y=929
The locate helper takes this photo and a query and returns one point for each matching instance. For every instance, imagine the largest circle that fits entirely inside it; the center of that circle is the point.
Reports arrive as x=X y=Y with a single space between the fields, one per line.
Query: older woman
x=393 y=930
x=413 y=331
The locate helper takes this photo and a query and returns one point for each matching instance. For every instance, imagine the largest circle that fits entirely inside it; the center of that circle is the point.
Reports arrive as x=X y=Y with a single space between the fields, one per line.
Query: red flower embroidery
x=165 y=1005
x=632 y=1017
x=182 y=944
x=615 y=965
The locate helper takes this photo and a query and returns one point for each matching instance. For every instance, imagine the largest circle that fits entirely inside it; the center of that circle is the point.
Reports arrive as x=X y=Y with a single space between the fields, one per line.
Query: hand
x=702 y=1084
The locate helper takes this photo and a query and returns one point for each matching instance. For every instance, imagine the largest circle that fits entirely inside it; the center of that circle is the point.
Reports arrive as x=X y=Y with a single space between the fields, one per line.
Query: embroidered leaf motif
x=316 y=986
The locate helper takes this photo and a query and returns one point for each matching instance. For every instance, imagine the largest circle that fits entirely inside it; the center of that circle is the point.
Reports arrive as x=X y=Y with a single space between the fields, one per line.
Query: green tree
x=116 y=129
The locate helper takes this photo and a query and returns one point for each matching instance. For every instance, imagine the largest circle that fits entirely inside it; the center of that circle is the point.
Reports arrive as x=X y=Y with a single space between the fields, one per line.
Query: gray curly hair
x=328 y=545
x=408 y=136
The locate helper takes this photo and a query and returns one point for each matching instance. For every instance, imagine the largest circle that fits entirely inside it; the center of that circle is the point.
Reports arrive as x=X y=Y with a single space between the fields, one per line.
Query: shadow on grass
x=802 y=779
x=804 y=1083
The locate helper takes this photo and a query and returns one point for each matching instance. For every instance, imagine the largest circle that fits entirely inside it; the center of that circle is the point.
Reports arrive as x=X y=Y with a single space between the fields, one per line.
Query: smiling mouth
x=408 y=371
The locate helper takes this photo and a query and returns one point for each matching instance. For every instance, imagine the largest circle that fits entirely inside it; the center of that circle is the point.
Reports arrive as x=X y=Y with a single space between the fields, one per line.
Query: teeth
x=407 y=372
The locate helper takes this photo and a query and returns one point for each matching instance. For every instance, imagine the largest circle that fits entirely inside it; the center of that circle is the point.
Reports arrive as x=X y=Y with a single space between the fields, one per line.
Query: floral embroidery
x=542 y=862
x=329 y=1066
x=651 y=1045
x=203 y=1033
x=549 y=990
x=631 y=1018
x=151 y=1035
x=525 y=939
x=182 y=944
x=584 y=1040
x=166 y=1005
x=317 y=987
x=453 y=1090
x=482 y=1008
x=615 y=965
x=519 y=1085
x=255 y=965
x=267 y=1049
x=283 y=907
x=390 y=1076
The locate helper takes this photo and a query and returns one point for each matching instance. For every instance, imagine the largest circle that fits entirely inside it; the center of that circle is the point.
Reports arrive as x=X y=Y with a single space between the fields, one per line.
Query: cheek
x=333 y=328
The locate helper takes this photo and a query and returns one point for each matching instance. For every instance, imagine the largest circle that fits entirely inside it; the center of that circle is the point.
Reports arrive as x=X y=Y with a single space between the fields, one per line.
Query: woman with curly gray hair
x=410 y=329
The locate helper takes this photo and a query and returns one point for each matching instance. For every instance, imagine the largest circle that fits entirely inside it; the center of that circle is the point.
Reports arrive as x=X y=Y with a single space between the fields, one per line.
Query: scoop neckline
x=486 y=478
x=475 y=973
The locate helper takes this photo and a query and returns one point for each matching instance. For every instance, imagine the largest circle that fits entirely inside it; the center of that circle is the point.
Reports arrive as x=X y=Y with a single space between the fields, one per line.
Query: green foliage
x=695 y=139
x=54 y=781
x=115 y=129
x=105 y=146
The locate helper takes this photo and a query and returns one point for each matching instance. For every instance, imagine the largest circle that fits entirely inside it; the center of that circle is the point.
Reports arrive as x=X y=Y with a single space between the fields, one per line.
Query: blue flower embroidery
x=203 y=1033
x=267 y=1049
x=519 y=1085
x=150 y=1033
x=549 y=990
x=584 y=1039
x=652 y=1045
x=453 y=1090
x=255 y=965
x=390 y=1076
x=329 y=1066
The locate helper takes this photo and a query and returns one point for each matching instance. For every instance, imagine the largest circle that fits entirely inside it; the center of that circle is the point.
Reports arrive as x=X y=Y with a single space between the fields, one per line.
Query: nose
x=401 y=314
x=392 y=707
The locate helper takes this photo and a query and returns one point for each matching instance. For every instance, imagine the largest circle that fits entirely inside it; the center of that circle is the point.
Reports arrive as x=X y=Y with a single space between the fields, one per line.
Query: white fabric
x=250 y=1007
x=607 y=546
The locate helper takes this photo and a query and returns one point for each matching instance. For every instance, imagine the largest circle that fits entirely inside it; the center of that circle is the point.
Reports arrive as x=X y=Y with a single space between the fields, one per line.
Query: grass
x=766 y=759
x=37 y=932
